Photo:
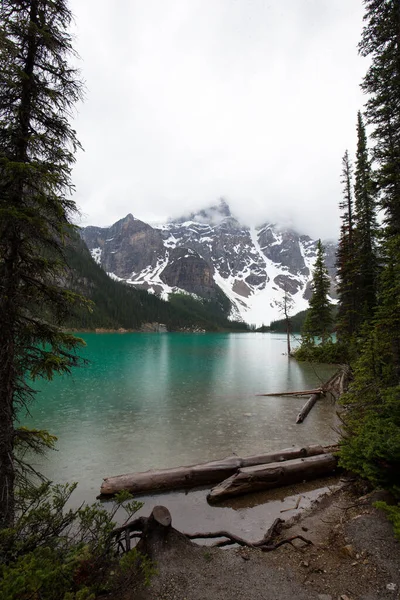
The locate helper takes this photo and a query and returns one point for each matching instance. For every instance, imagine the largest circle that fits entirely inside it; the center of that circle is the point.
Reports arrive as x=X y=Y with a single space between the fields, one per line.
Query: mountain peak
x=211 y=215
x=252 y=266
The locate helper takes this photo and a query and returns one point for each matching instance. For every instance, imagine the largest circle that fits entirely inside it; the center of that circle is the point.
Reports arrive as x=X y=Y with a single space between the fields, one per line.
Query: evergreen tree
x=381 y=42
x=365 y=232
x=346 y=322
x=372 y=419
x=318 y=322
x=37 y=92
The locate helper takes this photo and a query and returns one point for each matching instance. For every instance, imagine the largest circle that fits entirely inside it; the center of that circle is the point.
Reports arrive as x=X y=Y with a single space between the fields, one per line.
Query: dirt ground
x=353 y=556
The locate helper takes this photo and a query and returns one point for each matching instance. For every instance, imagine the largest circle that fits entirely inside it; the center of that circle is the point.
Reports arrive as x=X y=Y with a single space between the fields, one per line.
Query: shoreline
x=353 y=555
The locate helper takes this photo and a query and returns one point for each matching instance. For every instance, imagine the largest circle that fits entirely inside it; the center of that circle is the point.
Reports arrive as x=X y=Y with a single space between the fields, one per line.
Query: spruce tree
x=365 y=231
x=372 y=419
x=37 y=144
x=346 y=321
x=381 y=42
x=318 y=323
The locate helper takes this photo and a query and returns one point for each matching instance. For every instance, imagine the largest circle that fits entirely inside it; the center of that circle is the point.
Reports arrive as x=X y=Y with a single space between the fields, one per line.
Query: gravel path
x=354 y=556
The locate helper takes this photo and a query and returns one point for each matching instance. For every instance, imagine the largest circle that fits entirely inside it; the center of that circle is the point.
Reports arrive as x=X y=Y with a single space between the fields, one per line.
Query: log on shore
x=197 y=475
x=307 y=407
x=264 y=477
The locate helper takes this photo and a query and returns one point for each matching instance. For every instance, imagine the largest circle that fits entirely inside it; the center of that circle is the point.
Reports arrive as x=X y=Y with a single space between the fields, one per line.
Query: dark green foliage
x=371 y=446
x=365 y=232
x=210 y=314
x=357 y=261
x=267 y=328
x=330 y=352
x=116 y=304
x=37 y=92
x=55 y=553
x=347 y=292
x=381 y=43
x=393 y=514
x=297 y=322
x=318 y=322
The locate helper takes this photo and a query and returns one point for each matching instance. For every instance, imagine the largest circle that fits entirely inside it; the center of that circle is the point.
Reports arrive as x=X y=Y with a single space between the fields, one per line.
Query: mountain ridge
x=211 y=249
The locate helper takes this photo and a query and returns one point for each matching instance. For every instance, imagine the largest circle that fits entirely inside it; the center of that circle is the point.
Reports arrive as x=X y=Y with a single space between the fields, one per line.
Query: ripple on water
x=162 y=401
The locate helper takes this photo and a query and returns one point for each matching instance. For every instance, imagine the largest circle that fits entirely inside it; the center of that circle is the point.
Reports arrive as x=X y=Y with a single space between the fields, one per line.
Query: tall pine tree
x=347 y=313
x=381 y=42
x=318 y=323
x=37 y=92
x=372 y=418
x=365 y=231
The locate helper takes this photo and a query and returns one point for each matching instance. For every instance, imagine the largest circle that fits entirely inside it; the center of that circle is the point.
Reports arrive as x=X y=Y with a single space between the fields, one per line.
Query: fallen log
x=197 y=475
x=157 y=534
x=264 y=477
x=231 y=538
x=298 y=393
x=307 y=407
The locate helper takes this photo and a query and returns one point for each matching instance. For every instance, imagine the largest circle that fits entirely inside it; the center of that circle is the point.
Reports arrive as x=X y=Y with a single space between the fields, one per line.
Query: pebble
x=348 y=550
x=324 y=597
x=391 y=587
x=304 y=563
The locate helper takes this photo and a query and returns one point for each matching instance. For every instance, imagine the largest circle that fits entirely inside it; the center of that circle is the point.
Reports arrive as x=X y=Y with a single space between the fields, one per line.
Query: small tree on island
x=285 y=307
x=317 y=326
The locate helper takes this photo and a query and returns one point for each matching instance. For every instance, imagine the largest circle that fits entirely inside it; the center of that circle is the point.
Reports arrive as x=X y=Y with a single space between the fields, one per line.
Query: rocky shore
x=353 y=556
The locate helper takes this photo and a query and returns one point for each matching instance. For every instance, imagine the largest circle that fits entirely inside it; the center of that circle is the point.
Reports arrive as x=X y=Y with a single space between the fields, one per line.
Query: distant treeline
x=297 y=321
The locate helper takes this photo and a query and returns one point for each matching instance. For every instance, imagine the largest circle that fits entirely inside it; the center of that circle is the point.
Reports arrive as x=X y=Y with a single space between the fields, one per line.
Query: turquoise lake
x=161 y=400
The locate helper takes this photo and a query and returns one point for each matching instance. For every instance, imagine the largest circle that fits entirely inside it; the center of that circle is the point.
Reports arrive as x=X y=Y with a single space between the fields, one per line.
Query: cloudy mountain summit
x=200 y=252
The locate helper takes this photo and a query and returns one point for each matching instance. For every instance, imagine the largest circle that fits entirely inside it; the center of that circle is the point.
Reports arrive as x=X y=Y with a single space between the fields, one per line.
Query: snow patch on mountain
x=96 y=255
x=252 y=265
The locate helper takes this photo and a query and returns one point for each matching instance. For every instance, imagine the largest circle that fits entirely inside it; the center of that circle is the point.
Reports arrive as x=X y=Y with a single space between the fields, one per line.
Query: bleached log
x=307 y=407
x=197 y=475
x=264 y=477
x=298 y=393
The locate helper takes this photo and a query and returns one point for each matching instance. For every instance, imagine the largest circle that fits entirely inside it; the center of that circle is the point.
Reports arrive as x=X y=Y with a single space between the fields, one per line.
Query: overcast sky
x=188 y=101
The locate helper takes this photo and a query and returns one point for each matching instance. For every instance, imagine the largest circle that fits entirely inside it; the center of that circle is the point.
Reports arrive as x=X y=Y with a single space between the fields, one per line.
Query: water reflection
x=149 y=400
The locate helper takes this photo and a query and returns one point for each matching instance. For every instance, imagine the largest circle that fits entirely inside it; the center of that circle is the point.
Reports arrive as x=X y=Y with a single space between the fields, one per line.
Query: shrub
x=54 y=553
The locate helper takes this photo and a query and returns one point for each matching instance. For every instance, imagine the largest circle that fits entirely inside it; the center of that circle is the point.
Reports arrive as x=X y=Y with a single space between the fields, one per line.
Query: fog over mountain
x=210 y=250
x=191 y=100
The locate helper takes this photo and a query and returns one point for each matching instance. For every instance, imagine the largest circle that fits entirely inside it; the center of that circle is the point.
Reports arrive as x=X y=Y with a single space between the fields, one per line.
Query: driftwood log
x=307 y=407
x=297 y=393
x=197 y=475
x=335 y=385
x=264 y=477
x=156 y=534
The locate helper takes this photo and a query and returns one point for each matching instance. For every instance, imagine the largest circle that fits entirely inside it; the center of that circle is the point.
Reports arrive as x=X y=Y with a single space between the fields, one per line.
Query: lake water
x=162 y=400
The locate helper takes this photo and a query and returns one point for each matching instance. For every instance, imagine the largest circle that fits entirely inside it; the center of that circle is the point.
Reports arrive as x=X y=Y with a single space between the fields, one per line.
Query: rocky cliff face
x=197 y=253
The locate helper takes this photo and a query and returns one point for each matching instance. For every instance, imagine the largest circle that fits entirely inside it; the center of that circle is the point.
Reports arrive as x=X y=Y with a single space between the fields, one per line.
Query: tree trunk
x=7 y=473
x=11 y=279
x=264 y=477
x=197 y=475
x=298 y=393
x=7 y=384
x=307 y=407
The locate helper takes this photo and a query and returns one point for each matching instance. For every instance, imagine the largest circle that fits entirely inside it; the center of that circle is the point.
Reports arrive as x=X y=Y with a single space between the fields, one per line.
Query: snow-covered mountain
x=210 y=249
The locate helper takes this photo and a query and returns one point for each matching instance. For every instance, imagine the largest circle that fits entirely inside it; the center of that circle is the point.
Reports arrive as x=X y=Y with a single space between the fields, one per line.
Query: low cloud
x=192 y=100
